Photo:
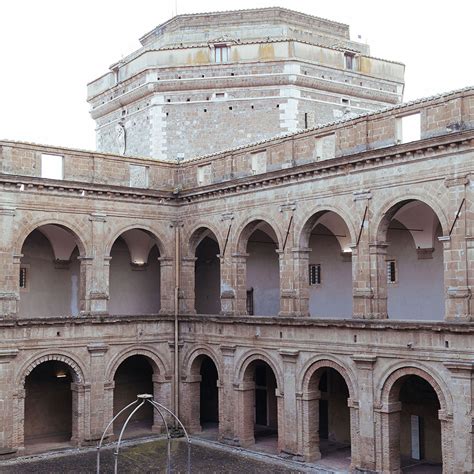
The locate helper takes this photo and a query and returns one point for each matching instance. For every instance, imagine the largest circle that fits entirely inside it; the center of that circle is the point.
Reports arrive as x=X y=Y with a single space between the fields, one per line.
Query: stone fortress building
x=319 y=279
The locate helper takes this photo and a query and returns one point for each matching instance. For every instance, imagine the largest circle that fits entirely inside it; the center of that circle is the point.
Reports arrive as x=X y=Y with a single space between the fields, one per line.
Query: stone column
x=378 y=281
x=108 y=407
x=162 y=394
x=192 y=403
x=301 y=281
x=388 y=437
x=95 y=274
x=6 y=401
x=80 y=416
x=187 y=288
x=167 y=273
x=287 y=277
x=19 y=418
x=363 y=444
x=226 y=395
x=244 y=412
x=288 y=423
x=227 y=285
x=456 y=252
x=461 y=438
x=10 y=265
x=98 y=400
x=310 y=425
x=240 y=282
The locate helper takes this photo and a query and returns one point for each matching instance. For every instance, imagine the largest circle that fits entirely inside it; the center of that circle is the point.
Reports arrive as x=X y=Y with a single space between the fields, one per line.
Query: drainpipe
x=176 y=310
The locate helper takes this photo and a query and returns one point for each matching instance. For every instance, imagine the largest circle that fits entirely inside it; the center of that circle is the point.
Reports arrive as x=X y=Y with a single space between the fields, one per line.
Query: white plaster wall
x=263 y=275
x=333 y=297
x=419 y=293
x=51 y=291
x=133 y=291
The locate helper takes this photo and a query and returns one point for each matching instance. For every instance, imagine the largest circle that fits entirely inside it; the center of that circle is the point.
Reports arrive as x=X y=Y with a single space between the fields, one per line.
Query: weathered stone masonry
x=369 y=179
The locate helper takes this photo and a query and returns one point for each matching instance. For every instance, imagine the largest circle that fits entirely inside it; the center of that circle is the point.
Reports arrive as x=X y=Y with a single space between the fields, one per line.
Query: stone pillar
x=240 y=282
x=10 y=265
x=80 y=412
x=187 y=297
x=461 y=438
x=95 y=270
x=227 y=285
x=19 y=418
x=456 y=252
x=108 y=407
x=388 y=438
x=287 y=277
x=161 y=394
x=363 y=443
x=309 y=403
x=226 y=395
x=98 y=400
x=6 y=401
x=378 y=281
x=301 y=281
x=244 y=413
x=192 y=403
x=288 y=423
x=167 y=273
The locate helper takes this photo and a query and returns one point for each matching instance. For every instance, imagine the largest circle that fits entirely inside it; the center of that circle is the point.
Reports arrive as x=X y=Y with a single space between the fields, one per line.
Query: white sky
x=50 y=50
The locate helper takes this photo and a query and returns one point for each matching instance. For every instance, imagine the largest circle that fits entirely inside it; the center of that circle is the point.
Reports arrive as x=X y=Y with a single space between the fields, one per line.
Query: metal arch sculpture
x=141 y=400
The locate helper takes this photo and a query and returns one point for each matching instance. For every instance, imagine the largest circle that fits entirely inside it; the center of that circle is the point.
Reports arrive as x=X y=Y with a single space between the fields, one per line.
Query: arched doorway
x=133 y=376
x=48 y=406
x=209 y=395
x=413 y=268
x=415 y=430
x=259 y=241
x=329 y=419
x=134 y=282
x=207 y=274
x=49 y=280
x=260 y=408
x=329 y=274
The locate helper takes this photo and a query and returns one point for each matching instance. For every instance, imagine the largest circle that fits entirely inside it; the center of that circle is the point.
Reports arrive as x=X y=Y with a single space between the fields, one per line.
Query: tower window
x=349 y=61
x=392 y=271
x=314 y=274
x=221 y=53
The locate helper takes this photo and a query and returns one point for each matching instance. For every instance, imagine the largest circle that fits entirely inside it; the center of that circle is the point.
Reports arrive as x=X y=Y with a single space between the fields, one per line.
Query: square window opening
x=409 y=128
x=52 y=166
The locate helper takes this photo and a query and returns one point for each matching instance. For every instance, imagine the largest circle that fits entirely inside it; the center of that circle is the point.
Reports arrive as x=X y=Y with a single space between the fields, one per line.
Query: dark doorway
x=209 y=406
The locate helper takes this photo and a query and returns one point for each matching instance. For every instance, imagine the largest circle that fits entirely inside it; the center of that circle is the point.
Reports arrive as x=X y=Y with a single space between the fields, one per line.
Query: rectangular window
x=259 y=162
x=392 y=271
x=23 y=278
x=325 y=147
x=52 y=166
x=408 y=128
x=250 y=309
x=204 y=175
x=349 y=61
x=221 y=54
x=314 y=274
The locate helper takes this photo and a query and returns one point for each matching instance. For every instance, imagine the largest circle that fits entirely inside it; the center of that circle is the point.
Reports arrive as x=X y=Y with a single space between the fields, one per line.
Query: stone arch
x=198 y=233
x=245 y=360
x=385 y=212
x=190 y=358
x=155 y=359
x=388 y=390
x=78 y=370
x=159 y=240
x=306 y=223
x=83 y=243
x=326 y=361
x=246 y=228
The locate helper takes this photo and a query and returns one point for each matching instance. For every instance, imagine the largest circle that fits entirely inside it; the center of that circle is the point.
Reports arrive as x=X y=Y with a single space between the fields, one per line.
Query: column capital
x=97 y=348
x=460 y=368
x=227 y=350
x=289 y=355
x=364 y=361
x=6 y=355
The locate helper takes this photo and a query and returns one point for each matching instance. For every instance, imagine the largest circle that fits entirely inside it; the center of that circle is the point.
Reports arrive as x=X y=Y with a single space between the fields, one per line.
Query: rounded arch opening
x=50 y=274
x=207 y=273
x=133 y=376
x=414 y=267
x=260 y=243
x=134 y=273
x=48 y=420
x=329 y=240
x=416 y=432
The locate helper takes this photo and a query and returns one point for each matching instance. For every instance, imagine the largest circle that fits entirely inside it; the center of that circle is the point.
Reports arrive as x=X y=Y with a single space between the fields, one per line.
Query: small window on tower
x=392 y=272
x=349 y=61
x=221 y=53
x=314 y=274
